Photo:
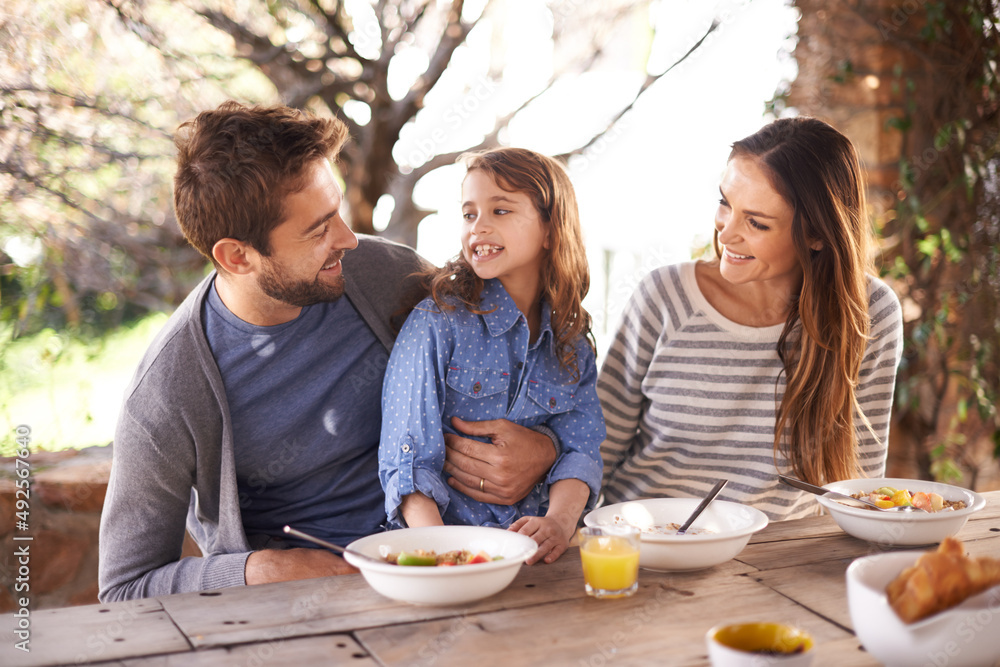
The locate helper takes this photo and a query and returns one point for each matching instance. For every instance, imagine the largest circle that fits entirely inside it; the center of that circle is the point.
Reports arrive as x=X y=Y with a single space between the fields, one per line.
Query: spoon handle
x=329 y=545
x=702 y=505
x=820 y=491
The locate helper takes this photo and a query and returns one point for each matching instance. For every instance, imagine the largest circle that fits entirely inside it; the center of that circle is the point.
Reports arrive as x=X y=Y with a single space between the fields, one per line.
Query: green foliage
x=946 y=255
x=88 y=109
x=68 y=388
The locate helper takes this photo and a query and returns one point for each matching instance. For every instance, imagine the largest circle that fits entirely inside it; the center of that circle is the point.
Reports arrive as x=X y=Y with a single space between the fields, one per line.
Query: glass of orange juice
x=610 y=558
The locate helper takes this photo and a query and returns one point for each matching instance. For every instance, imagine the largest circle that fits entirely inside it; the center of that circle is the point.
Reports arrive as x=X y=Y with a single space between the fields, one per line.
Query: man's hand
x=271 y=565
x=502 y=471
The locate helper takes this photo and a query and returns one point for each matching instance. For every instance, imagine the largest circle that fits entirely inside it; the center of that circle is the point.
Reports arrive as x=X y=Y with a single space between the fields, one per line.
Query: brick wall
x=66 y=496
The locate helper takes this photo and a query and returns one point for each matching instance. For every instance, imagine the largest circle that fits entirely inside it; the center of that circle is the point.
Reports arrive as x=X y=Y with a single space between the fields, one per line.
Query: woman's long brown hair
x=565 y=275
x=817 y=170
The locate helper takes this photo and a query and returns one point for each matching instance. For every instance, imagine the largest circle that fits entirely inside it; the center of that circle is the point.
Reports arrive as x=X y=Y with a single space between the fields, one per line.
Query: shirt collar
x=506 y=313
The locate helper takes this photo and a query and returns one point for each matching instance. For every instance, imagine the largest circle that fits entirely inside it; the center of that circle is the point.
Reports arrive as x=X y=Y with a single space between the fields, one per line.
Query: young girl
x=503 y=336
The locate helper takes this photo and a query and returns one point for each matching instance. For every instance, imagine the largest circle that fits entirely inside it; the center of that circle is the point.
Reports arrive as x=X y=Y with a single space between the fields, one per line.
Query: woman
x=778 y=356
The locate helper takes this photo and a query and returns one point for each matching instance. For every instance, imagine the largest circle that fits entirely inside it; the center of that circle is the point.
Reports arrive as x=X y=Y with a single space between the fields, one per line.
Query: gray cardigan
x=173 y=451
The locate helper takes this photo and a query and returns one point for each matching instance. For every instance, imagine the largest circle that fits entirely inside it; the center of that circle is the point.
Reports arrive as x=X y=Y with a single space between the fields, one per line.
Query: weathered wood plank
x=324 y=650
x=798 y=529
x=97 y=632
x=821 y=587
x=347 y=603
x=981 y=537
x=664 y=620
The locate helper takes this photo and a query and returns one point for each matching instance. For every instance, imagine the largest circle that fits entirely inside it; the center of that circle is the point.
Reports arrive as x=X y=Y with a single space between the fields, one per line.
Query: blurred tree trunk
x=915 y=86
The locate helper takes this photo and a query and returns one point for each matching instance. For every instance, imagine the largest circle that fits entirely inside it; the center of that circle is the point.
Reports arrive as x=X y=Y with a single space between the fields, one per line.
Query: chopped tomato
x=481 y=557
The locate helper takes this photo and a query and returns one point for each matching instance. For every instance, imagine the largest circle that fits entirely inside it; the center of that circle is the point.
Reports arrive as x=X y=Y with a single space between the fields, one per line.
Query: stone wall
x=67 y=492
x=849 y=76
x=854 y=69
x=66 y=496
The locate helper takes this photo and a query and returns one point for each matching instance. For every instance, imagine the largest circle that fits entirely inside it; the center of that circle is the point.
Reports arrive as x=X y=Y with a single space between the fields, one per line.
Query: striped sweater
x=691 y=397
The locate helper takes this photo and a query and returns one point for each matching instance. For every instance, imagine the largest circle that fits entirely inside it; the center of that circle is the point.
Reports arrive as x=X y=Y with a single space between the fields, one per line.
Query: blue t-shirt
x=476 y=367
x=304 y=397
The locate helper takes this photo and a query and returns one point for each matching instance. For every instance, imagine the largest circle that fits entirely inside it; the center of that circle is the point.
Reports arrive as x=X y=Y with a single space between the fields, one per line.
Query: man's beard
x=276 y=284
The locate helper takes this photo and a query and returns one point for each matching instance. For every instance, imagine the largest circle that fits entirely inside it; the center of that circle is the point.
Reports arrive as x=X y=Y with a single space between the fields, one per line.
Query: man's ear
x=234 y=256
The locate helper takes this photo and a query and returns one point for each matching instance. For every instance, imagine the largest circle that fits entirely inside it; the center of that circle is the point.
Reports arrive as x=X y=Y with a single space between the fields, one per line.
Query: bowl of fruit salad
x=441 y=565
x=945 y=509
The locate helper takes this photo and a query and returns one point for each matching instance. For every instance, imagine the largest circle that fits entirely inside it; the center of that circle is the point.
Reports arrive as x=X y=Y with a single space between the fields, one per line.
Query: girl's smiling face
x=754 y=223
x=503 y=235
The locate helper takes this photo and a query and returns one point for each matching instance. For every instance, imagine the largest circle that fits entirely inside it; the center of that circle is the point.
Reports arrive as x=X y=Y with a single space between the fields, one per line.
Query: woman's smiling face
x=754 y=223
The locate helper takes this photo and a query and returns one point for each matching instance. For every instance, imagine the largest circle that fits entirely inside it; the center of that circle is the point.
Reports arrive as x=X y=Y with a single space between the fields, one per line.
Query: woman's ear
x=816 y=245
x=234 y=256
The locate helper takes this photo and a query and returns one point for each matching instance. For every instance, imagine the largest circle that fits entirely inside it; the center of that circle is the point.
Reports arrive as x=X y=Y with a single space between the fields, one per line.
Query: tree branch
x=94 y=104
x=650 y=80
x=335 y=23
x=454 y=33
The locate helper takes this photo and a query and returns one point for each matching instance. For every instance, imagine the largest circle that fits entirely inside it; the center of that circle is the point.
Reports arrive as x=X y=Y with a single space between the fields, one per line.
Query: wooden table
x=792 y=571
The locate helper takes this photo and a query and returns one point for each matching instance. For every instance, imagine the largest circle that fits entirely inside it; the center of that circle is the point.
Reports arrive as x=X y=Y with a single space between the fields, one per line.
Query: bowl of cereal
x=441 y=565
x=716 y=536
x=947 y=508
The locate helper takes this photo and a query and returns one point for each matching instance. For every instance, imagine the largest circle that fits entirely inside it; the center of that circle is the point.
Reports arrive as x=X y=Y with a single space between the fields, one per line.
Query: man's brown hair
x=237 y=164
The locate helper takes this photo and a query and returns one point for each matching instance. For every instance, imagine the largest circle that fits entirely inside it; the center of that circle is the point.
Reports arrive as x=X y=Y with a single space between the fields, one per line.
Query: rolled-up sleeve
x=581 y=431
x=411 y=446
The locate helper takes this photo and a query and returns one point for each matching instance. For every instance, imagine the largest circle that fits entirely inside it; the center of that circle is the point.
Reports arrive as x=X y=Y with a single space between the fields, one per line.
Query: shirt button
x=552 y=402
x=476 y=388
x=406 y=448
x=520 y=365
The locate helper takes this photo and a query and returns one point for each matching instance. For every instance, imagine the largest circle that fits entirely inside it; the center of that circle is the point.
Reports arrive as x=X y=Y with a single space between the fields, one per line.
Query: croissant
x=940 y=580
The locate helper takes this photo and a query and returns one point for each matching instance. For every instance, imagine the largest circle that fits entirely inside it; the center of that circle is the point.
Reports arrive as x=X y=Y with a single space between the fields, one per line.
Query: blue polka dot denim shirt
x=476 y=367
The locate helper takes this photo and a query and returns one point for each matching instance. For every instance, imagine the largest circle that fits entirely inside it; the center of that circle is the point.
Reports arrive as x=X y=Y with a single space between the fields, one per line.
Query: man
x=258 y=405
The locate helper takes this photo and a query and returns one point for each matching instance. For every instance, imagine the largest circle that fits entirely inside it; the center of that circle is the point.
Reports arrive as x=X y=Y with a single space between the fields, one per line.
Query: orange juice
x=610 y=565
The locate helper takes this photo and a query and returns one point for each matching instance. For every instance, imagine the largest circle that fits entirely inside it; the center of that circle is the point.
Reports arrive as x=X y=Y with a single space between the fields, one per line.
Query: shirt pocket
x=548 y=399
x=476 y=394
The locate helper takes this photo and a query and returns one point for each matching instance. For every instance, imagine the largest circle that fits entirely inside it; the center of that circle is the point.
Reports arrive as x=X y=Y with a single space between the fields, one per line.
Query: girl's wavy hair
x=565 y=275
x=816 y=169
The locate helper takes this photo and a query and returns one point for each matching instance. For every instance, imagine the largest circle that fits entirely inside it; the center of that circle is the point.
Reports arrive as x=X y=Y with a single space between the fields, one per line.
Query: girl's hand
x=547 y=532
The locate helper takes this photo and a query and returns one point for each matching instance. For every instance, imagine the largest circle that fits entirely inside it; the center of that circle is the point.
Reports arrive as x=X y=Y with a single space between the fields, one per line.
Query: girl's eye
x=468 y=216
x=723 y=202
x=757 y=225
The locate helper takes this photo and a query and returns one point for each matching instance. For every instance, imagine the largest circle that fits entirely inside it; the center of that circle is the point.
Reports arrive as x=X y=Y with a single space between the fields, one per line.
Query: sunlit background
x=648 y=188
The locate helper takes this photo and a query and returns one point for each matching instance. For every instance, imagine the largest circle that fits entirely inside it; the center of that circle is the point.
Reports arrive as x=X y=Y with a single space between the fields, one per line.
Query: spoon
x=702 y=505
x=333 y=547
x=820 y=491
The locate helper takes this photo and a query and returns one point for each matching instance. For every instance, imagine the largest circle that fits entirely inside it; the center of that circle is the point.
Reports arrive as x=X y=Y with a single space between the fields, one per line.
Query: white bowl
x=957 y=637
x=901 y=529
x=741 y=645
x=731 y=524
x=442 y=585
